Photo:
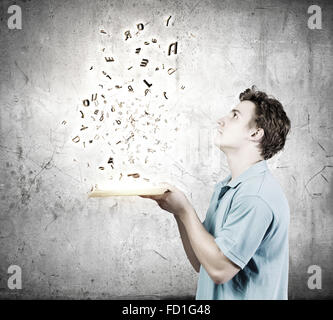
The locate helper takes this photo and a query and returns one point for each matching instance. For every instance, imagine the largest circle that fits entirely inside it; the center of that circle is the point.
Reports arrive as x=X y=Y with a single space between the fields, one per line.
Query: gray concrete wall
x=69 y=246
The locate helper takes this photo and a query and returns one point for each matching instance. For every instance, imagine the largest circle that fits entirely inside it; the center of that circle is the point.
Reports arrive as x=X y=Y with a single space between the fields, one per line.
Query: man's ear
x=257 y=134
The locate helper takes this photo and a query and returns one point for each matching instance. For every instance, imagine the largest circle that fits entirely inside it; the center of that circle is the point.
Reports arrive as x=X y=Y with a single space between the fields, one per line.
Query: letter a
x=15 y=21
x=15 y=280
x=174 y=46
x=314 y=21
x=314 y=281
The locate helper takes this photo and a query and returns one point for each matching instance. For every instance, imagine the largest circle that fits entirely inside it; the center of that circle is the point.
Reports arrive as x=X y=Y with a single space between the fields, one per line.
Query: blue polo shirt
x=249 y=219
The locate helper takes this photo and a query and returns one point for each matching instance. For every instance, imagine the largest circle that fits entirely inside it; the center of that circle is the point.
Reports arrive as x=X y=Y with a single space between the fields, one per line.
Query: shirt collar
x=252 y=171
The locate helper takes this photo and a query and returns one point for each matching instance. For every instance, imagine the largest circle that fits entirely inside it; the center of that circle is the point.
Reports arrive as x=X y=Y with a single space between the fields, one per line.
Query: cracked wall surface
x=69 y=246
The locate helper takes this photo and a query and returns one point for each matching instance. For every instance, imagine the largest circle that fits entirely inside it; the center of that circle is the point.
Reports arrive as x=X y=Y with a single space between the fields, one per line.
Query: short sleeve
x=244 y=229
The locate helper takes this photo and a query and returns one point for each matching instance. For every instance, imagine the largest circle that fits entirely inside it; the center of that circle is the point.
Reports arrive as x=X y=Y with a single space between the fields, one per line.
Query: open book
x=127 y=189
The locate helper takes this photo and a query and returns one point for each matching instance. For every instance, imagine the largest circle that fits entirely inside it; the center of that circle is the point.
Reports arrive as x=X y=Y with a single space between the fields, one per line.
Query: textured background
x=69 y=246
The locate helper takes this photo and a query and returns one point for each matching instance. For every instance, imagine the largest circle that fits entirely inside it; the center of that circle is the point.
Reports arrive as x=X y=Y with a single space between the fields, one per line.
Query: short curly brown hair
x=270 y=116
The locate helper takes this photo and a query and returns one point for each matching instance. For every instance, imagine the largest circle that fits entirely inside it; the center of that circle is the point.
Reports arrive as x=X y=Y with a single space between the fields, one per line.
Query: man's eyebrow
x=236 y=110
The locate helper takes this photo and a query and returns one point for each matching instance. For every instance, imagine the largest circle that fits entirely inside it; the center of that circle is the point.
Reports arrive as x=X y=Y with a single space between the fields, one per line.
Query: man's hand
x=173 y=200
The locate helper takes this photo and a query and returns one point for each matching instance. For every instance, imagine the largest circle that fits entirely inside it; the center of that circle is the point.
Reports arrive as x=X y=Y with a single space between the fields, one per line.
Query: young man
x=241 y=248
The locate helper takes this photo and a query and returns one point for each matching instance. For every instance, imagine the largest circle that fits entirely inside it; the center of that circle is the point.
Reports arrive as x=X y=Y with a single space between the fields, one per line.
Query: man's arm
x=205 y=249
x=187 y=245
x=202 y=243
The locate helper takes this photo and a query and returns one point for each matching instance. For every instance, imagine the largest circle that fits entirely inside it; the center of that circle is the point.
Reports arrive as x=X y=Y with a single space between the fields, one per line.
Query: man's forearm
x=187 y=245
x=202 y=243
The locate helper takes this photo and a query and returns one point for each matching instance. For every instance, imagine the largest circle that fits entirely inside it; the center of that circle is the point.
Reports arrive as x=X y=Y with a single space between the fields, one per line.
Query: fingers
x=157 y=197
x=169 y=188
x=152 y=197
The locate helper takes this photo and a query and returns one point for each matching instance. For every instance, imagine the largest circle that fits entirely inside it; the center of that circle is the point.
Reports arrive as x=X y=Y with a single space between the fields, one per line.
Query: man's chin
x=218 y=144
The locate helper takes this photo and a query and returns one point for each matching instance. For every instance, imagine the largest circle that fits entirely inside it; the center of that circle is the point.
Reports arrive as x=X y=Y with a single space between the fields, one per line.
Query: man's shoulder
x=266 y=188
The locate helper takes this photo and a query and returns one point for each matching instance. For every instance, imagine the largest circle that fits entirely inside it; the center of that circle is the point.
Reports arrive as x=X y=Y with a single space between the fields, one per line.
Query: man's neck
x=239 y=163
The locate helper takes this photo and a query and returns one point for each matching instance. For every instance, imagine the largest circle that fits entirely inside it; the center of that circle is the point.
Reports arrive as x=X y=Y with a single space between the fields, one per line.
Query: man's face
x=233 y=131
